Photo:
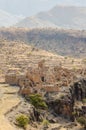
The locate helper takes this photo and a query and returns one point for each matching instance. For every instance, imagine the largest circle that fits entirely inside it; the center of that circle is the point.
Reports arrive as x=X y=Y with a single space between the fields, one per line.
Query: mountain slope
x=17 y=55
x=59 y=16
x=59 y=41
x=34 y=22
x=7 y=19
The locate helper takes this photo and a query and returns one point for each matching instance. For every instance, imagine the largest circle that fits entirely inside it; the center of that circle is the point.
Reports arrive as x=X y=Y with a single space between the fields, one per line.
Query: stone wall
x=37 y=78
x=11 y=78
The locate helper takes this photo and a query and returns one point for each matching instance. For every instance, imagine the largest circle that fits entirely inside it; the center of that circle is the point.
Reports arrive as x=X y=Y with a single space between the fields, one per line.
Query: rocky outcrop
x=78 y=90
x=62 y=106
x=65 y=105
x=27 y=109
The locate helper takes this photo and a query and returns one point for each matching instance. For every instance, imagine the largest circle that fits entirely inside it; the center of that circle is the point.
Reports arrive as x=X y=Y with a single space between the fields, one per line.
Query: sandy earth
x=7 y=101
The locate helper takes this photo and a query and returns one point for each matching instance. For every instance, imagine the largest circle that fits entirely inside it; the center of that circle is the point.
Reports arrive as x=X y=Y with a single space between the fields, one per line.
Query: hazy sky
x=31 y=7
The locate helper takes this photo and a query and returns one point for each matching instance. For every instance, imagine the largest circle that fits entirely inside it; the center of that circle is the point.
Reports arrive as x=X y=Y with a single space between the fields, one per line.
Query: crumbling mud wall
x=42 y=77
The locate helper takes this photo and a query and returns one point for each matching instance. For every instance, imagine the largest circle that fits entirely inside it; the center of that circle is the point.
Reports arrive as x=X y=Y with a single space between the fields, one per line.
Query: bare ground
x=7 y=101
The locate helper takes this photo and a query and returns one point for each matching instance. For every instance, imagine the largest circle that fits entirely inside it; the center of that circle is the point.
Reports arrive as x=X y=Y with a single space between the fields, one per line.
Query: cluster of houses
x=40 y=79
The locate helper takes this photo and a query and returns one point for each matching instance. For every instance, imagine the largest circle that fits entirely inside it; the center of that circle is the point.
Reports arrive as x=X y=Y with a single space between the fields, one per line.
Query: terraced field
x=17 y=55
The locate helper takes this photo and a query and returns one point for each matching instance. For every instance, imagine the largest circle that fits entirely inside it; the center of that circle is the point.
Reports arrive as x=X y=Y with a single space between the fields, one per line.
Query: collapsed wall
x=41 y=78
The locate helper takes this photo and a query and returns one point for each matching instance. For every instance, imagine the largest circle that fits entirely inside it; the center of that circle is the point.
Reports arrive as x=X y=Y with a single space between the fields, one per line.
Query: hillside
x=60 y=16
x=7 y=19
x=20 y=62
x=58 y=73
x=58 y=41
x=18 y=55
x=34 y=22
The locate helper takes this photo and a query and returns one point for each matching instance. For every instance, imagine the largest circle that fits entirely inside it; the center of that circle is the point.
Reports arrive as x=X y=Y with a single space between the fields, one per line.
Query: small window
x=43 y=79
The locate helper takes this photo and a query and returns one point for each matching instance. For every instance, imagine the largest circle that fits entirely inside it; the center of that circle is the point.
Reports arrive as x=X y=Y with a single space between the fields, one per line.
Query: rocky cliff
x=66 y=105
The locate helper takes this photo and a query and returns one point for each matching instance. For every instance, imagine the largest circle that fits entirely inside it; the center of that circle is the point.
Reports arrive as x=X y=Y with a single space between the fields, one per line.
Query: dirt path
x=8 y=99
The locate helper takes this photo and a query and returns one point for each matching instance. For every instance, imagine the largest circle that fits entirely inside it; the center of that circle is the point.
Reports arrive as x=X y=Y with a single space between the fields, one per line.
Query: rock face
x=24 y=108
x=65 y=105
x=79 y=90
x=62 y=105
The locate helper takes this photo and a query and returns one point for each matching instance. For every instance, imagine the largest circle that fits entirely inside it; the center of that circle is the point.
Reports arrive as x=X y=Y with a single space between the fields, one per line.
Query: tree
x=38 y=101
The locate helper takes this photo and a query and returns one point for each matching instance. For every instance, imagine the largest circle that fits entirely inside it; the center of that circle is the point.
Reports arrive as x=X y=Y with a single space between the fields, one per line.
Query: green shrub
x=65 y=57
x=22 y=120
x=74 y=113
x=84 y=100
x=37 y=101
x=45 y=123
x=82 y=121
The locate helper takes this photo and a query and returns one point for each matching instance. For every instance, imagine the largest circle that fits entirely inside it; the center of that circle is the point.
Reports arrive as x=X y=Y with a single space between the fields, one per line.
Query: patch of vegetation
x=84 y=100
x=45 y=123
x=84 y=61
x=82 y=121
x=74 y=68
x=62 y=96
x=37 y=101
x=65 y=57
x=72 y=61
x=74 y=113
x=22 y=120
